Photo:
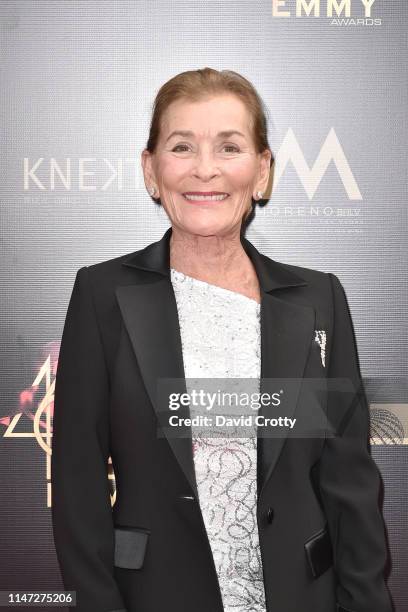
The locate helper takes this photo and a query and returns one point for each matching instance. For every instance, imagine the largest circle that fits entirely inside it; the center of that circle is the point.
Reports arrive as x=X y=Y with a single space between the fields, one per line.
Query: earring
x=152 y=191
x=259 y=194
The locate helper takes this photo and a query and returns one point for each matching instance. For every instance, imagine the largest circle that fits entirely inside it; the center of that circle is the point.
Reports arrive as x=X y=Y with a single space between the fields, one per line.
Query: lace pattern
x=220 y=334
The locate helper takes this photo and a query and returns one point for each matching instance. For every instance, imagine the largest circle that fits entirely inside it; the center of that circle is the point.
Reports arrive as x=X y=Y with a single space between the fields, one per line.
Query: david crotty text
x=220 y=420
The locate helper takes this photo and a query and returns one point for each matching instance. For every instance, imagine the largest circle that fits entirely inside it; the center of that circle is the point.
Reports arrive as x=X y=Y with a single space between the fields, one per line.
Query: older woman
x=241 y=524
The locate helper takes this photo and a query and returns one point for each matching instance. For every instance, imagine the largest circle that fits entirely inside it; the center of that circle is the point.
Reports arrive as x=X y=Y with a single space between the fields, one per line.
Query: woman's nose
x=206 y=166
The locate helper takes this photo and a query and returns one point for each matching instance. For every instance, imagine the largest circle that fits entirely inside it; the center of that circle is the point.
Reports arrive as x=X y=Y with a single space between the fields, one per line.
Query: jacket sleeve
x=81 y=507
x=349 y=478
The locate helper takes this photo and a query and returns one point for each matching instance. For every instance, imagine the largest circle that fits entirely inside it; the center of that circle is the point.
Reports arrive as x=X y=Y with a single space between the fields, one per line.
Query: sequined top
x=220 y=335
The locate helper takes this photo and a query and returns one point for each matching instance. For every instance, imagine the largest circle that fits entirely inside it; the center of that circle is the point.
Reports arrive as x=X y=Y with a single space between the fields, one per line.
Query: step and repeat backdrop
x=78 y=79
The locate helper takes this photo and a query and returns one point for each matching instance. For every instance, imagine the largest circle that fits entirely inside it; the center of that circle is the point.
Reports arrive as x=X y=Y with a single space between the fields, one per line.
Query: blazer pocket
x=319 y=552
x=130 y=547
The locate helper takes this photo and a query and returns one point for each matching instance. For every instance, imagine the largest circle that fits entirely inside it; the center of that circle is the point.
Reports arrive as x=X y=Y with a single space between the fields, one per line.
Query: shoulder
x=310 y=280
x=101 y=280
x=310 y=275
x=109 y=266
x=315 y=280
x=319 y=289
x=106 y=275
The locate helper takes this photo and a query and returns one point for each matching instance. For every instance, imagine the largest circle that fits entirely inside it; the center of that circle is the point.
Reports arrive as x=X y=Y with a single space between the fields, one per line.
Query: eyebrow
x=188 y=133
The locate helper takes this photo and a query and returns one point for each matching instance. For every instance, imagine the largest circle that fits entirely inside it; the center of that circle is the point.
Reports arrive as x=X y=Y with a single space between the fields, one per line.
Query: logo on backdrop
x=34 y=414
x=89 y=174
x=338 y=12
x=331 y=150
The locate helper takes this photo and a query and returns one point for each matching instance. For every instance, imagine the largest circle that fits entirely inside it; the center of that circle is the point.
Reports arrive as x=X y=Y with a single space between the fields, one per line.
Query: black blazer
x=320 y=529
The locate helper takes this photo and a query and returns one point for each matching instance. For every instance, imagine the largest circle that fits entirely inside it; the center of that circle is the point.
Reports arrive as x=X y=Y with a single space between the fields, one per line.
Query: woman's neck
x=219 y=260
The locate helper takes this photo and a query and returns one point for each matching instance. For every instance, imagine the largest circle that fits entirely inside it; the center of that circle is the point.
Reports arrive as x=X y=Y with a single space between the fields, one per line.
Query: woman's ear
x=261 y=186
x=148 y=174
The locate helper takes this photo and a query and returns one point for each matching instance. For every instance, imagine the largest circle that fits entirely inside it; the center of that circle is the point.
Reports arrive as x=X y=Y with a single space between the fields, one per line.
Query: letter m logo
x=311 y=177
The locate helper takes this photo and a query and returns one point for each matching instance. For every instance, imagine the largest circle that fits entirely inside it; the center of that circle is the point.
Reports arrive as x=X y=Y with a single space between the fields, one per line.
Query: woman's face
x=205 y=167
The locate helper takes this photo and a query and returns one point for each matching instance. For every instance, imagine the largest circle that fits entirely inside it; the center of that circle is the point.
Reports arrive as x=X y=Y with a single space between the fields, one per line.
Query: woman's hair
x=195 y=85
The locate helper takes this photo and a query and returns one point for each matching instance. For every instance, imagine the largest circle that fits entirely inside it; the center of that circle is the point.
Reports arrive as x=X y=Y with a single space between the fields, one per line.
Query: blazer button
x=269 y=515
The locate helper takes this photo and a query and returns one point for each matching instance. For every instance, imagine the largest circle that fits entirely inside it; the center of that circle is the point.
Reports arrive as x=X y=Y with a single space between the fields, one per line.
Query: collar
x=272 y=274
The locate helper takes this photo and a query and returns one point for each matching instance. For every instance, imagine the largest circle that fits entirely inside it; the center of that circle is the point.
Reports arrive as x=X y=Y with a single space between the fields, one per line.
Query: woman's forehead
x=209 y=117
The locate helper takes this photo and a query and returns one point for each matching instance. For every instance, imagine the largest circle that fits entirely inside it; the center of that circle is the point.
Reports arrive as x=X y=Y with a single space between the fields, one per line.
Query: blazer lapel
x=149 y=311
x=286 y=336
x=150 y=314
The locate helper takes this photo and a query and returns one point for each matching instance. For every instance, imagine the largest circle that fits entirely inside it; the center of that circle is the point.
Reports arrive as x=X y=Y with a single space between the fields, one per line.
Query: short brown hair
x=195 y=85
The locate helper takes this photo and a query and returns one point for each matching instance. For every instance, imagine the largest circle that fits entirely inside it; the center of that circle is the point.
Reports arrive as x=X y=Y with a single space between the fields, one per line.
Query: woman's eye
x=181 y=148
x=178 y=147
x=233 y=147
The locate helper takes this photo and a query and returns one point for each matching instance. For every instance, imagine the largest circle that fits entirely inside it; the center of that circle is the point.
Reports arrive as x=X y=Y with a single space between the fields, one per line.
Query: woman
x=280 y=523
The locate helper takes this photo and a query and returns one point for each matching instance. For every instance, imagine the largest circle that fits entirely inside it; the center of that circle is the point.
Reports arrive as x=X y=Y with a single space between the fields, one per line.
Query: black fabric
x=319 y=552
x=121 y=339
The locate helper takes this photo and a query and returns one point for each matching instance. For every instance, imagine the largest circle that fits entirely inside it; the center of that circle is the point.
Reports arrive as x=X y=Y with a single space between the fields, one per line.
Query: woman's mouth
x=205 y=196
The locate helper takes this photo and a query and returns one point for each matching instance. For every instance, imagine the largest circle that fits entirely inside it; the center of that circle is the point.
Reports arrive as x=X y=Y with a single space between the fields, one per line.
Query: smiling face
x=205 y=167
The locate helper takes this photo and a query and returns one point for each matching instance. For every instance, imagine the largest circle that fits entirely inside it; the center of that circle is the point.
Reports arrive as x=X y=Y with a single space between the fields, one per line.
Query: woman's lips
x=205 y=196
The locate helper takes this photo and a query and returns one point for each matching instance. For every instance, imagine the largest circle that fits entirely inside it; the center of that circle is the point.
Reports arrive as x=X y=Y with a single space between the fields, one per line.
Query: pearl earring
x=259 y=194
x=152 y=191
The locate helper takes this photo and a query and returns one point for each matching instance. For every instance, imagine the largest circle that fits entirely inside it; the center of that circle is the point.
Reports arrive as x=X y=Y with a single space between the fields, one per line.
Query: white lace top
x=220 y=334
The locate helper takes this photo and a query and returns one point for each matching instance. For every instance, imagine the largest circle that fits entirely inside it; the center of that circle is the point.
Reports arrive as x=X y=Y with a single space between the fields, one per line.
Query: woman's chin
x=205 y=224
